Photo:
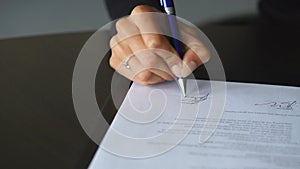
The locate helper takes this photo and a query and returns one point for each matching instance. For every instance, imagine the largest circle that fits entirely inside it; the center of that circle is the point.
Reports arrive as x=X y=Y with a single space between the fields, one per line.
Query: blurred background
x=20 y=18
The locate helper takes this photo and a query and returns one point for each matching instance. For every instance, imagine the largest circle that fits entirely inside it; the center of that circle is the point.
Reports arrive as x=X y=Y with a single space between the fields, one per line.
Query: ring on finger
x=125 y=62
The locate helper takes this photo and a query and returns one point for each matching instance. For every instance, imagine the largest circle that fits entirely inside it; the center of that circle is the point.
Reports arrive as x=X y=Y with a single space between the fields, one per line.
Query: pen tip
x=182 y=86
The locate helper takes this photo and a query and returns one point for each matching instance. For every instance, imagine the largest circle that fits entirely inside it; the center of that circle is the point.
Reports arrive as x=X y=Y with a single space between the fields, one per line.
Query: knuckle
x=154 y=42
x=113 y=62
x=113 y=41
x=144 y=76
x=140 y=9
x=120 y=23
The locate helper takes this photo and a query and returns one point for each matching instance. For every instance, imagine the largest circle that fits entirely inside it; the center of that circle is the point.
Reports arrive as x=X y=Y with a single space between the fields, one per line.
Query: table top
x=38 y=124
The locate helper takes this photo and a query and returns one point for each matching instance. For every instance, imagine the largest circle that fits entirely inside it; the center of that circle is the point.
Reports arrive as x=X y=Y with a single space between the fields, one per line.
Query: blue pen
x=169 y=7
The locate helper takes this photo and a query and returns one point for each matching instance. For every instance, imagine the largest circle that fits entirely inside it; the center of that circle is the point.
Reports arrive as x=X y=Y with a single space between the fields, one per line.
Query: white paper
x=258 y=129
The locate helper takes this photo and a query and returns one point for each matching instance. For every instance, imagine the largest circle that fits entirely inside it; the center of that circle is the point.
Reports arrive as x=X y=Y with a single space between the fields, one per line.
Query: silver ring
x=125 y=62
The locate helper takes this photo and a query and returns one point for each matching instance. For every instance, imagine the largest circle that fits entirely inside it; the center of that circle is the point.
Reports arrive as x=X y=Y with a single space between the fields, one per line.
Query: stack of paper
x=217 y=126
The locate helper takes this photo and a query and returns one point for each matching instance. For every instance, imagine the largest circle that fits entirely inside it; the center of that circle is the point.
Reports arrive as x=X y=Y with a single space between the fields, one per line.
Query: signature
x=279 y=105
x=194 y=99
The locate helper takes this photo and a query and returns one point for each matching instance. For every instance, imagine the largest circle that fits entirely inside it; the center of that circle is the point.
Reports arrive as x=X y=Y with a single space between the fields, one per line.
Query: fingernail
x=193 y=65
x=176 y=69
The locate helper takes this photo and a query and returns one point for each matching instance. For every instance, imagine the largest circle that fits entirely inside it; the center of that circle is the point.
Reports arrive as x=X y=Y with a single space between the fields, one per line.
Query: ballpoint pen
x=169 y=8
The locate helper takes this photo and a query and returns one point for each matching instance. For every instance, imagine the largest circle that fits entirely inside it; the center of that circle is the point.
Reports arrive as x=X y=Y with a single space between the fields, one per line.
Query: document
x=219 y=125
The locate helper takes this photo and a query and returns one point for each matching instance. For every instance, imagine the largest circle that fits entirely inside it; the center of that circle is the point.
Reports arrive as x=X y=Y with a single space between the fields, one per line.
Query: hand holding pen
x=148 y=58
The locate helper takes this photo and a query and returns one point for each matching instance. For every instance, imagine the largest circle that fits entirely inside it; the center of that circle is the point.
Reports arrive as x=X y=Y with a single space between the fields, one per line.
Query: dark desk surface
x=38 y=125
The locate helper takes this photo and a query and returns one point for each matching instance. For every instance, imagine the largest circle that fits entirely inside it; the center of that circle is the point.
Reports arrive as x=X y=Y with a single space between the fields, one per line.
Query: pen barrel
x=169 y=8
x=175 y=35
x=167 y=3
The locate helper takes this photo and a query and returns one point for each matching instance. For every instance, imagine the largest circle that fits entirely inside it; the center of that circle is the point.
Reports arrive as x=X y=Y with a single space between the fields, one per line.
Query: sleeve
x=120 y=8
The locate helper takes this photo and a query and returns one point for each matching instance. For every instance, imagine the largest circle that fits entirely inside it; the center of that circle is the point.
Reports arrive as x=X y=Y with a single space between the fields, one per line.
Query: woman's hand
x=146 y=57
